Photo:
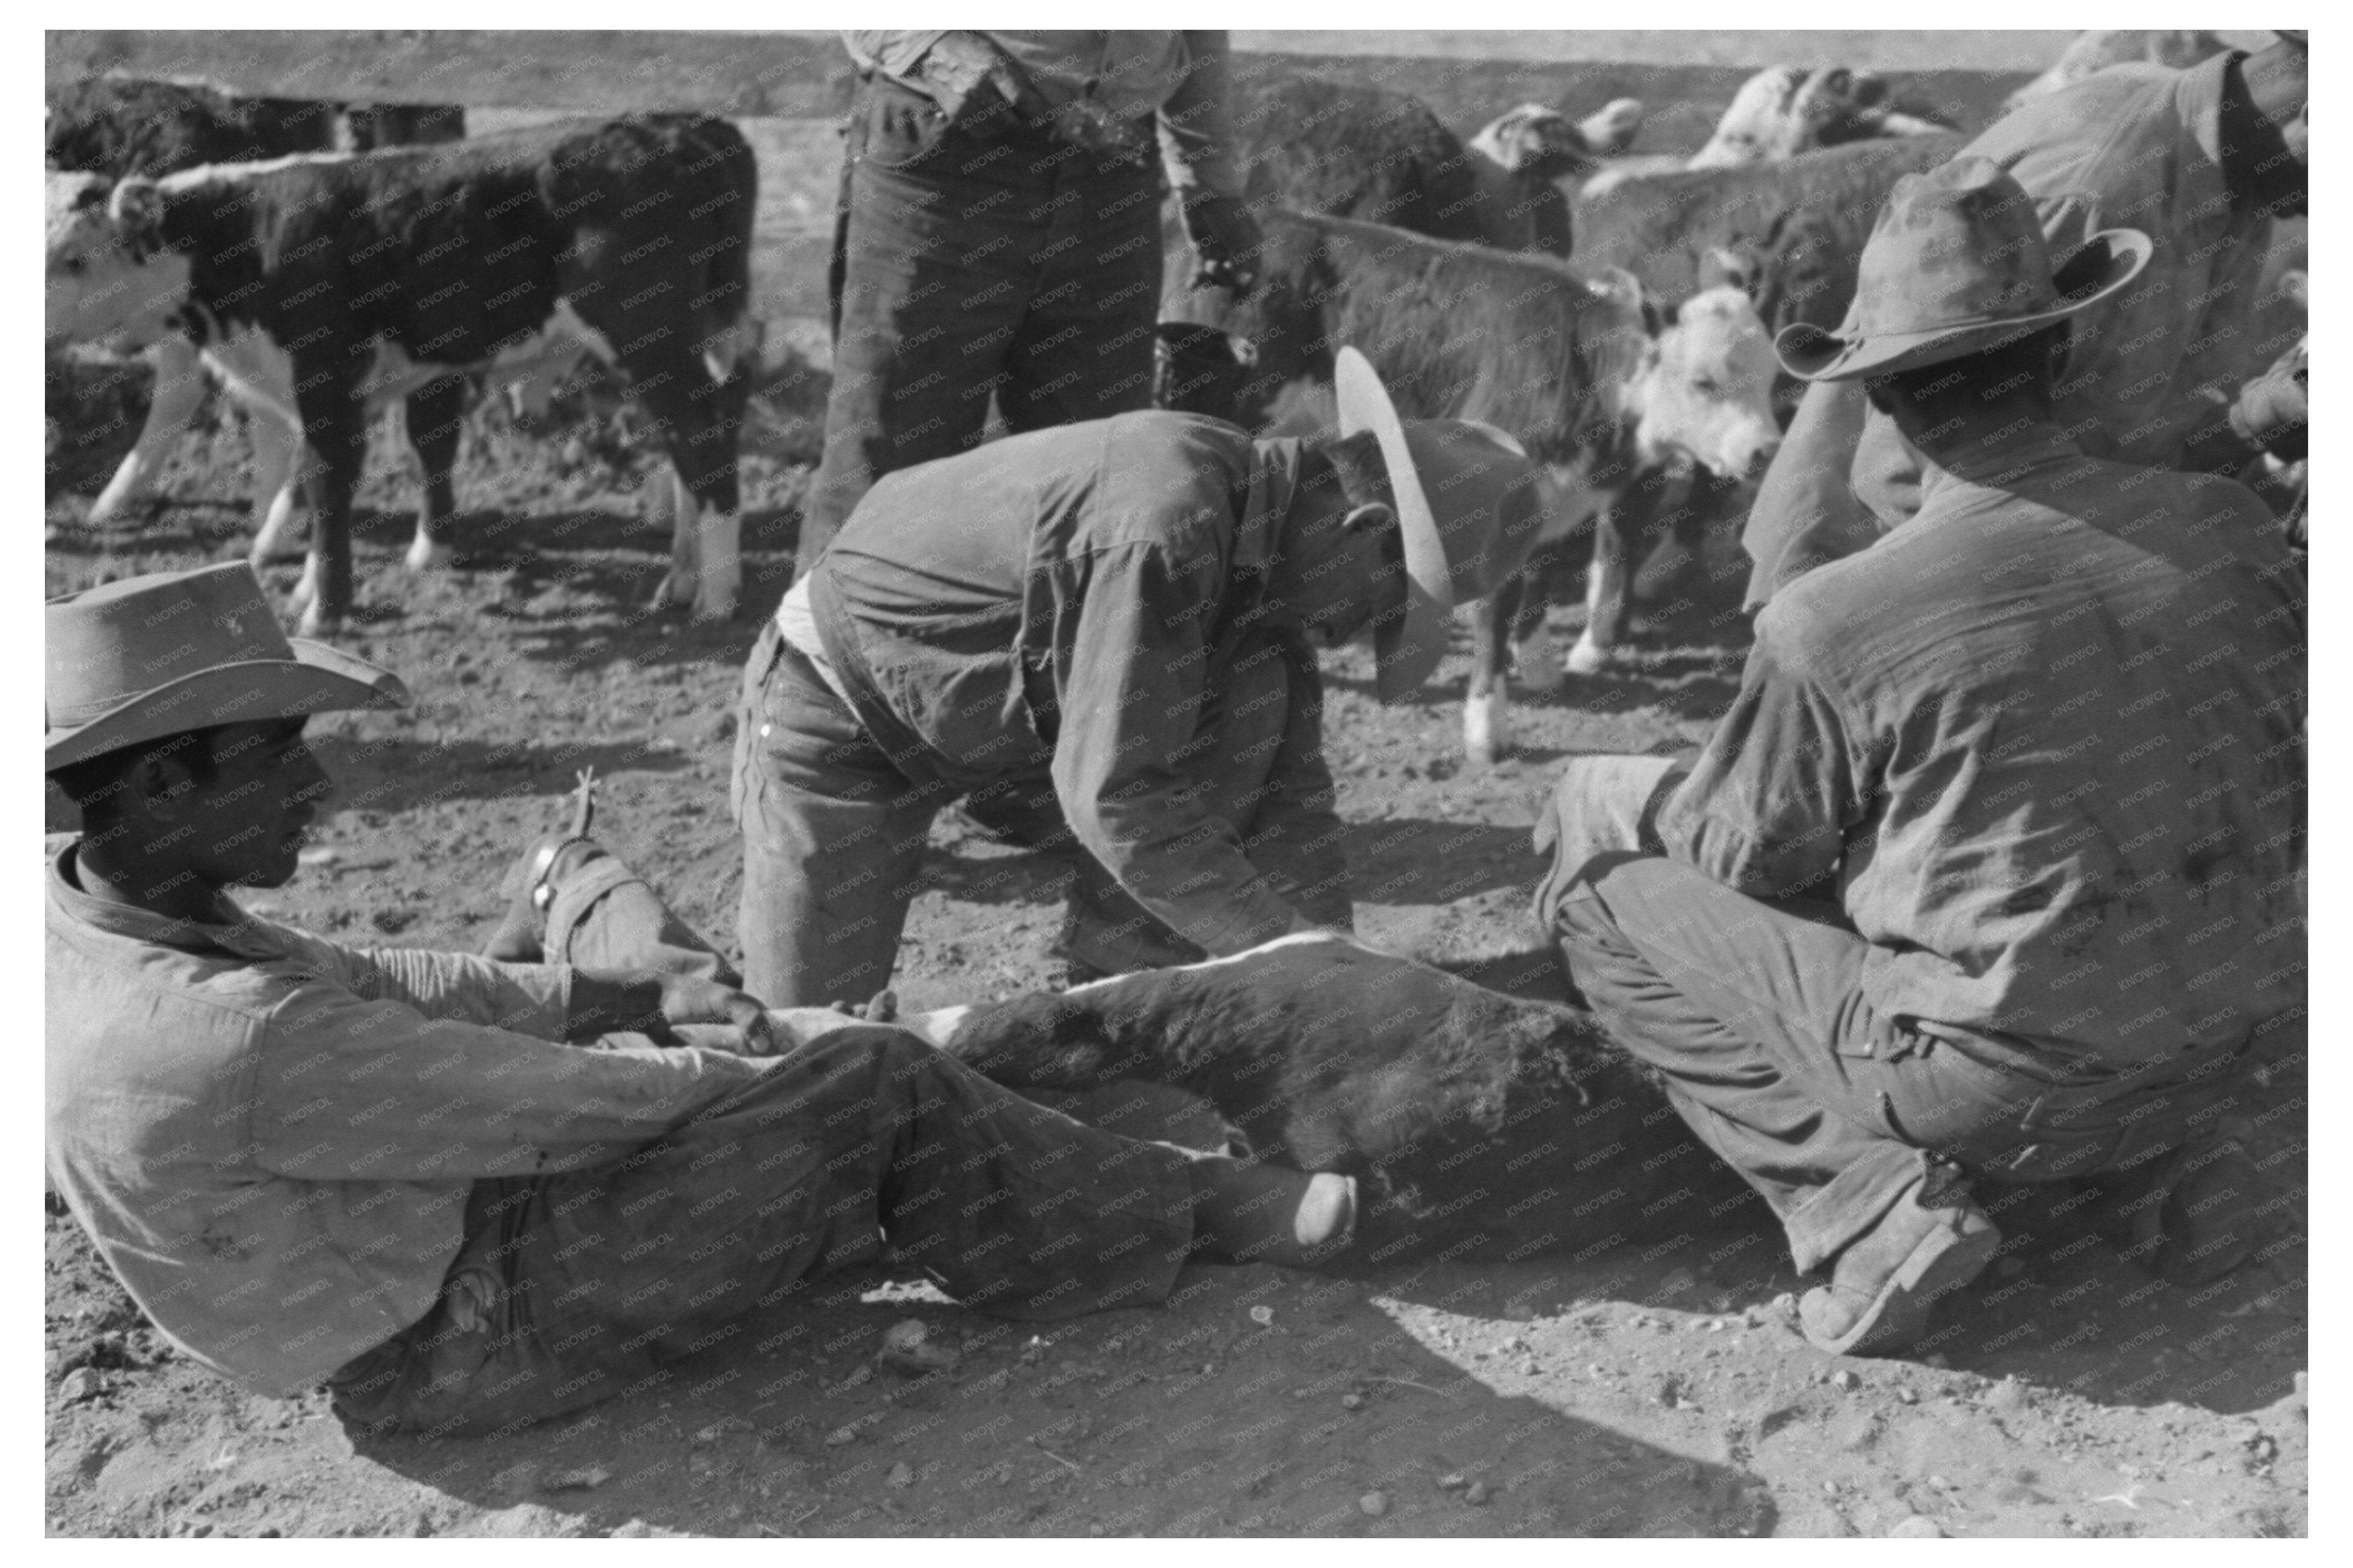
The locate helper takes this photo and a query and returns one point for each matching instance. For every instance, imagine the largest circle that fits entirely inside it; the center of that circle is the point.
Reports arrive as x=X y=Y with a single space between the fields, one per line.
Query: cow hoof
x=663 y=598
x=1487 y=728
x=1585 y=659
x=429 y=555
x=715 y=609
x=316 y=623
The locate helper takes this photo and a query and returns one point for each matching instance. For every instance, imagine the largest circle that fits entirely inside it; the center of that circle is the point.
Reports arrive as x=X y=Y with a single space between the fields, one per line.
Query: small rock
x=901 y=1476
x=1918 y=1528
x=1785 y=1306
x=841 y=1437
x=1373 y=1504
x=1452 y=1482
x=639 y=1530
x=80 y=1383
x=1532 y=1367
x=1477 y=1493
x=1352 y=1402
x=580 y=1480
x=1905 y=1397
x=1845 y=1381
x=322 y=855
x=1940 y=1483
x=1262 y=1316
x=2008 y=1394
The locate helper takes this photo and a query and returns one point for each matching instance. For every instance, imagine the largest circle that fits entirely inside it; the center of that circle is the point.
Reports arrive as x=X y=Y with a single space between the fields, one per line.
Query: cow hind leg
x=179 y=393
x=435 y=415
x=1487 y=703
x=331 y=482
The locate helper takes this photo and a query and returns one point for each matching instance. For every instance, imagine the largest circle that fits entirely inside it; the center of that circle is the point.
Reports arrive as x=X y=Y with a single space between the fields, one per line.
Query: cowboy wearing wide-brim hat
x=1874 y=936
x=1122 y=612
x=1956 y=265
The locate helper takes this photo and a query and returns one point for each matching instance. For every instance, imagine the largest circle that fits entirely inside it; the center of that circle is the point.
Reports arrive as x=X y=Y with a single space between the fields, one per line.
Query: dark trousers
x=834 y=828
x=571 y=1288
x=1830 y=1109
x=977 y=258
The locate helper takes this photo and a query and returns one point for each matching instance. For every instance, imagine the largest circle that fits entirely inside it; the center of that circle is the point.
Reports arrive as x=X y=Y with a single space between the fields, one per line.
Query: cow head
x=1705 y=392
x=1611 y=129
x=108 y=279
x=1534 y=142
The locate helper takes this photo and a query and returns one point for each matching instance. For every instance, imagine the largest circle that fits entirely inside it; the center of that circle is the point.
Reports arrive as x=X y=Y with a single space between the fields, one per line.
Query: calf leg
x=700 y=419
x=179 y=393
x=1533 y=660
x=1605 y=592
x=339 y=445
x=436 y=414
x=1487 y=703
x=278 y=469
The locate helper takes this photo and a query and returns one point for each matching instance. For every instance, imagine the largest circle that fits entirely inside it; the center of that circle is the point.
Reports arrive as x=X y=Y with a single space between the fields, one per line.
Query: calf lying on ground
x=1476 y=1122
x=394 y=274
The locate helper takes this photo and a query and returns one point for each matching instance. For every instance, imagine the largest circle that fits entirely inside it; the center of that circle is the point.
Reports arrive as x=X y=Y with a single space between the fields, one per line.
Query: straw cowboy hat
x=1956 y=265
x=155 y=655
x=1467 y=506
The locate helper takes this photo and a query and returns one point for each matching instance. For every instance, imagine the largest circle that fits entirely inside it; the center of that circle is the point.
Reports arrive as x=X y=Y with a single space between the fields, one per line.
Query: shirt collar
x=2030 y=446
x=236 y=933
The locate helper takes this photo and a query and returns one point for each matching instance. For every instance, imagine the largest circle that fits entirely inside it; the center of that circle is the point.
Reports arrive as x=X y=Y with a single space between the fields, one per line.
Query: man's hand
x=1225 y=238
x=643 y=1000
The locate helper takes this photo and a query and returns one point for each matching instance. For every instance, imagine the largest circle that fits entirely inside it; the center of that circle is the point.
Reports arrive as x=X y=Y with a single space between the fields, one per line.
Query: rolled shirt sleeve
x=524 y=998
x=1767 y=805
x=1131 y=698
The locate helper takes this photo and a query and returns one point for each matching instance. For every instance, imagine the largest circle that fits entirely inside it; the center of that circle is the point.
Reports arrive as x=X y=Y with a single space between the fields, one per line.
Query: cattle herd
x=1612 y=312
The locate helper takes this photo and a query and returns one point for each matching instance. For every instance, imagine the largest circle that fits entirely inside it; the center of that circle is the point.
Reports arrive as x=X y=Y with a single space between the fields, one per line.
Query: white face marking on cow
x=94 y=289
x=1707 y=393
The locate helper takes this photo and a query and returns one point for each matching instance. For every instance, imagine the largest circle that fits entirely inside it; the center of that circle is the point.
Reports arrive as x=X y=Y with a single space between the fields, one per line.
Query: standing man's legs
x=833 y=837
x=1084 y=349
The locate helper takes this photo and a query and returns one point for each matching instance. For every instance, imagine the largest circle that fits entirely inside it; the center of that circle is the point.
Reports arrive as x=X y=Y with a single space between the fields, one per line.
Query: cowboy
x=1978 y=875
x=470 y=1194
x=2202 y=159
x=1125 y=608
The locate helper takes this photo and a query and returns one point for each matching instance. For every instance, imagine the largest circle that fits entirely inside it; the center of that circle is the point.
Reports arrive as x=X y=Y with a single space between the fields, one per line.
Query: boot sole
x=1899 y=1312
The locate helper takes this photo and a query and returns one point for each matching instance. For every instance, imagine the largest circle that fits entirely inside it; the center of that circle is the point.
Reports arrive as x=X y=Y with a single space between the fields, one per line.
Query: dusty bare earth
x=1650 y=1384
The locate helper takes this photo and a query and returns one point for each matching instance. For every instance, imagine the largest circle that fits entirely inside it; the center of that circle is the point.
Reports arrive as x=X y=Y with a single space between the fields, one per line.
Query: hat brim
x=317 y=680
x=2105 y=263
x=1409 y=639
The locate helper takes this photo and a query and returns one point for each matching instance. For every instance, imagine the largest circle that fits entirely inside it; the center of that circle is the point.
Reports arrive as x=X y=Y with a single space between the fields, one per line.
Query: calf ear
x=1723 y=265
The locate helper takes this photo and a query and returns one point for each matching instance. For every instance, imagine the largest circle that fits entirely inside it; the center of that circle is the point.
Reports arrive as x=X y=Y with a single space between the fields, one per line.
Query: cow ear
x=136 y=208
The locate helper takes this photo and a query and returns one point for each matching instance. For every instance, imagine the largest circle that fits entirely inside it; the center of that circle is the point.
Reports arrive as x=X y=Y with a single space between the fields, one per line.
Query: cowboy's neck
x=124 y=870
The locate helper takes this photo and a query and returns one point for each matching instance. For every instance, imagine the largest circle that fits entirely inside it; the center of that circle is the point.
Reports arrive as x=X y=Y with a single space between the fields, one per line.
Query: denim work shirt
x=270 y=1137
x=1063 y=604
x=2045 y=743
x=1180 y=77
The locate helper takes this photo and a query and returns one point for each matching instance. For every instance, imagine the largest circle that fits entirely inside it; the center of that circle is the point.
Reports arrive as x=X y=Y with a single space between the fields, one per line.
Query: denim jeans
x=1756 y=1015
x=834 y=830
x=573 y=1288
x=976 y=257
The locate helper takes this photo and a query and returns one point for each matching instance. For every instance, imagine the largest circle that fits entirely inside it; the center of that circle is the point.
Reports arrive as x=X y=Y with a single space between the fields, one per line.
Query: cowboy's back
x=2046 y=737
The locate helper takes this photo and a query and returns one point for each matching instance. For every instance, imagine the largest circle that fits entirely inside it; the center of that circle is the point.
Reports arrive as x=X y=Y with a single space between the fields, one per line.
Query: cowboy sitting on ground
x=1976 y=876
x=470 y=1194
x=1125 y=608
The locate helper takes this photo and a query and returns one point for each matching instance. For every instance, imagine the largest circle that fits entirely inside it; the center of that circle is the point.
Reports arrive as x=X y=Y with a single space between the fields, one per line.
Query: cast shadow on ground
x=397 y=774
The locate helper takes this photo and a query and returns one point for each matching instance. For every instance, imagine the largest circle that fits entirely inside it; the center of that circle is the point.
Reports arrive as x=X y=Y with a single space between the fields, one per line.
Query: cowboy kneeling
x=470 y=1193
x=1125 y=608
x=1910 y=917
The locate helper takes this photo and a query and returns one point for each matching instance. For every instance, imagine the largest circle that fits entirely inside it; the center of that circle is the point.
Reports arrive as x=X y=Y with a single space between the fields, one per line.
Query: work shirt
x=1063 y=604
x=2135 y=146
x=270 y=1137
x=2044 y=742
x=1179 y=79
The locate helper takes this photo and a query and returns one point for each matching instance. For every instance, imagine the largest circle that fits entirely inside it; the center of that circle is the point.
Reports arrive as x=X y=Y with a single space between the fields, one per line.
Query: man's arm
x=1770 y=800
x=1131 y=698
x=1197 y=140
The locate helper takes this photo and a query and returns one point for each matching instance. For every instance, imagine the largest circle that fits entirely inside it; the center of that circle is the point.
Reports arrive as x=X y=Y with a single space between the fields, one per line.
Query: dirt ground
x=1654 y=1385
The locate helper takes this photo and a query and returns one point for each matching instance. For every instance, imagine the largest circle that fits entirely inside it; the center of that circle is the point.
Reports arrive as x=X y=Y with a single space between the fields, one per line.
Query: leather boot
x=1887 y=1282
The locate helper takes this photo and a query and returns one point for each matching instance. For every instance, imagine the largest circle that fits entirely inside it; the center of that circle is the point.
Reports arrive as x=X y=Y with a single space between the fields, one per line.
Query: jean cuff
x=1850 y=1203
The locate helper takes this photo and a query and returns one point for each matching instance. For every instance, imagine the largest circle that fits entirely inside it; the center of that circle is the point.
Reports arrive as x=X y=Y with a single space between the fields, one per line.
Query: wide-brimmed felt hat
x=1956 y=265
x=154 y=656
x=1467 y=508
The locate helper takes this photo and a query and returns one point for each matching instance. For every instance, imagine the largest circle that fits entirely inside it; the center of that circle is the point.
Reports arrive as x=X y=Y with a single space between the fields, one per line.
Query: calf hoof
x=665 y=595
x=1587 y=658
x=715 y=601
x=317 y=622
x=428 y=555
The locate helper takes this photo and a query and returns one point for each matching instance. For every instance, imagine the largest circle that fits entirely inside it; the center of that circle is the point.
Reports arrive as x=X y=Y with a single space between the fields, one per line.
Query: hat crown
x=1959 y=246
x=107 y=645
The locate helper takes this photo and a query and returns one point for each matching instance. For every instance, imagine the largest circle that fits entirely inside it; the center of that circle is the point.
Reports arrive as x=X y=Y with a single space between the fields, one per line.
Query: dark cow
x=121 y=127
x=1477 y=1123
x=1607 y=398
x=346 y=279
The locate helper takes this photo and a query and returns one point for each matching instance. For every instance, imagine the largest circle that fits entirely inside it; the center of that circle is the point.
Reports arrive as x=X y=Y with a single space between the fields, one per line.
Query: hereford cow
x=1777 y=114
x=336 y=282
x=1600 y=395
x=1475 y=1122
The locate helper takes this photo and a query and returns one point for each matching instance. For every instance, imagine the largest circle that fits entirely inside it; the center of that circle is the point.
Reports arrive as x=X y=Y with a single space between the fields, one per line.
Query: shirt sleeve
x=1196 y=123
x=352 y=1089
x=894 y=54
x=1131 y=698
x=1769 y=803
x=525 y=999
